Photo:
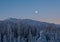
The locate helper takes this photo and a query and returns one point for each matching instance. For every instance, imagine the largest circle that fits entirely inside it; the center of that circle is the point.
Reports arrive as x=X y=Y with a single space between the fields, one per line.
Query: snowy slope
x=27 y=30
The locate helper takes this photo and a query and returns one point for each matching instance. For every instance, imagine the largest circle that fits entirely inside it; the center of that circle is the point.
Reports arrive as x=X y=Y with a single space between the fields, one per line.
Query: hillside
x=27 y=30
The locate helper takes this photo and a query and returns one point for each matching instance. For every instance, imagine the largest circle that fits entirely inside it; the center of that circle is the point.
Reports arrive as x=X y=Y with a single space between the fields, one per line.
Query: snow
x=27 y=30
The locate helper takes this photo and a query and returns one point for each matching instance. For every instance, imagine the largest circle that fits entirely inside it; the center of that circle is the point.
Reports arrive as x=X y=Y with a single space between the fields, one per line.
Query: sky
x=41 y=10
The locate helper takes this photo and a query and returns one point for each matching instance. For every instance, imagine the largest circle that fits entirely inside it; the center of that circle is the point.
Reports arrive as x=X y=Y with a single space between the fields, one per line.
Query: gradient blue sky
x=48 y=10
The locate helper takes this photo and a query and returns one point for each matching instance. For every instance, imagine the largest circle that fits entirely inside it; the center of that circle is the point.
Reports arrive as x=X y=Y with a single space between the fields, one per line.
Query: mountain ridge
x=27 y=30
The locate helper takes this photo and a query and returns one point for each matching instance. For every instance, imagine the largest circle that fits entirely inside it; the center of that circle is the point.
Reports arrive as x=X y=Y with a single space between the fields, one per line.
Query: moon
x=36 y=12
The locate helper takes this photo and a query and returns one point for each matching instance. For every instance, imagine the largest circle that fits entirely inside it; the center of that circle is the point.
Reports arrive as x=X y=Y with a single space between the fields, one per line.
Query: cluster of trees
x=23 y=32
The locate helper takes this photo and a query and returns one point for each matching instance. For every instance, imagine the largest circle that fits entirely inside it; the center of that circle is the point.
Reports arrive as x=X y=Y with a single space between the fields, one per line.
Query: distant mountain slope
x=27 y=30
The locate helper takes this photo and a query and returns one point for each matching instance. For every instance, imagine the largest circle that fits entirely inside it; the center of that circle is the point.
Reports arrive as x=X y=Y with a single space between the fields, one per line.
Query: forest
x=27 y=30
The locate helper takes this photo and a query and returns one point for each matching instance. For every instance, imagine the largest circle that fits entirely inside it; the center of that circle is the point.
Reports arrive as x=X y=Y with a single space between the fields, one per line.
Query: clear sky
x=48 y=10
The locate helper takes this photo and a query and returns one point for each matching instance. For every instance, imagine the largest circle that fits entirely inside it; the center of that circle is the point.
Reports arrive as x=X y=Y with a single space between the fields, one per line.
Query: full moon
x=36 y=12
